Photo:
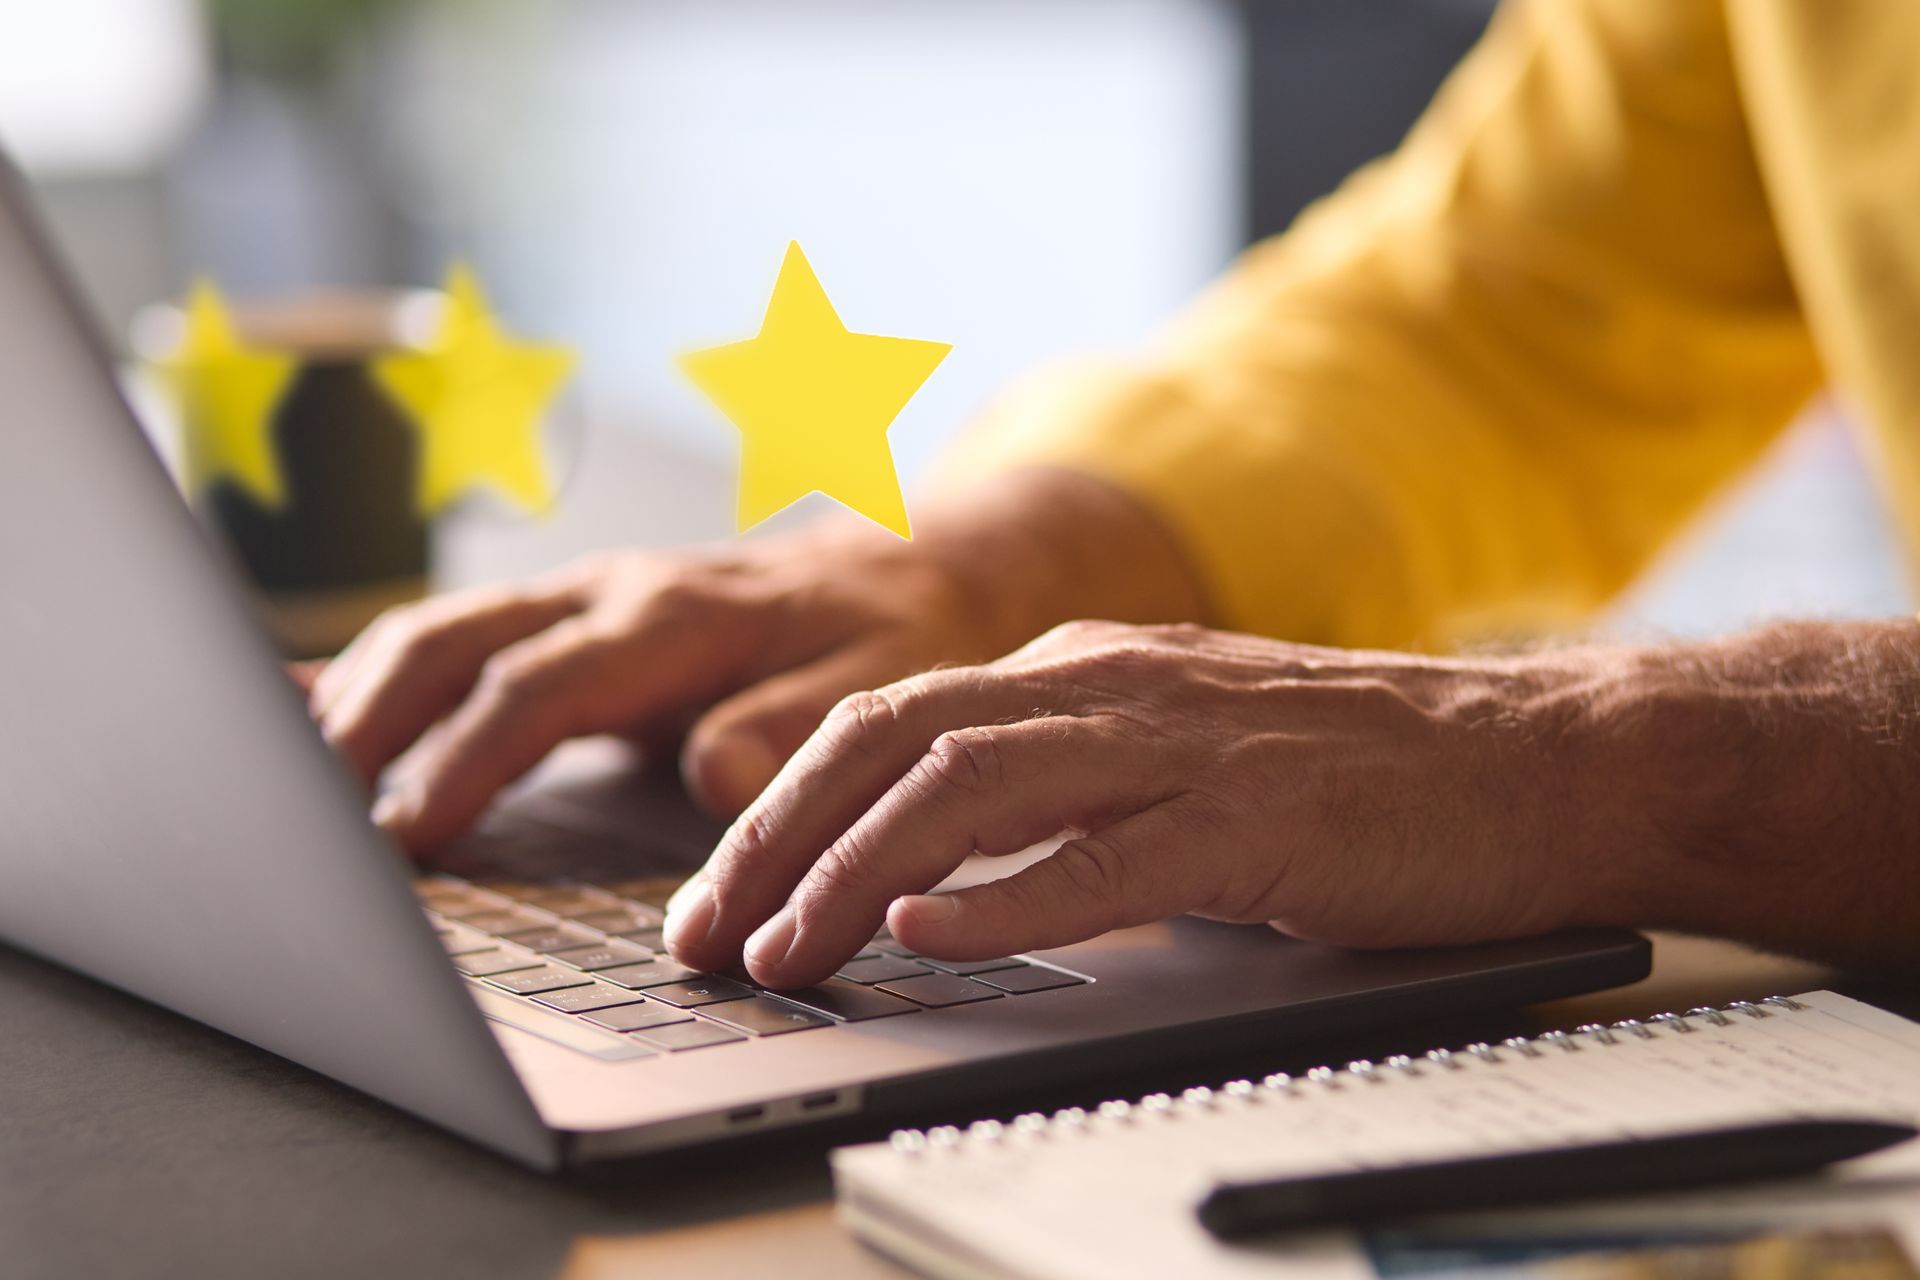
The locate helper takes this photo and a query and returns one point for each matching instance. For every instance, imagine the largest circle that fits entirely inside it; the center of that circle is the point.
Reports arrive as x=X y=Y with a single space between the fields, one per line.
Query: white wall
x=1020 y=179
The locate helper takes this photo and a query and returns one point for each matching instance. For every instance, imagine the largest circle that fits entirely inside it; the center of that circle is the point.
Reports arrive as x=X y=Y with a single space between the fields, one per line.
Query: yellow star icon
x=227 y=394
x=813 y=402
x=477 y=398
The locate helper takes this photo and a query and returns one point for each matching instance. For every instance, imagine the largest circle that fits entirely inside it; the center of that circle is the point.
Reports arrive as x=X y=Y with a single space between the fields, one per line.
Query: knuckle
x=746 y=851
x=422 y=640
x=641 y=592
x=1074 y=634
x=512 y=680
x=968 y=761
x=688 y=589
x=1184 y=634
x=860 y=720
x=680 y=593
x=846 y=868
x=1092 y=872
x=1120 y=659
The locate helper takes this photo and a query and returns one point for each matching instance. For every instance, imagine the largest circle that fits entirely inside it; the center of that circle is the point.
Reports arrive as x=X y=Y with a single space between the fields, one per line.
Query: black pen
x=1749 y=1153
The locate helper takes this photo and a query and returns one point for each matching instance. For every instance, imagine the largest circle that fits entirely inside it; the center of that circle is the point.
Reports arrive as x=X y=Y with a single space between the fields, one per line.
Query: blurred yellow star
x=477 y=399
x=227 y=394
x=813 y=402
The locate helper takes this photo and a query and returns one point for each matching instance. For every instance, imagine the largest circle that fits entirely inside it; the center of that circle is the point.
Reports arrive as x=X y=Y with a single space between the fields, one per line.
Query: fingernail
x=678 y=900
x=689 y=914
x=930 y=908
x=771 y=941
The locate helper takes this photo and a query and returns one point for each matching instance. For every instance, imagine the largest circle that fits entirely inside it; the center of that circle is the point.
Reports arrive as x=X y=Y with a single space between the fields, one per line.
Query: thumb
x=734 y=750
x=1128 y=874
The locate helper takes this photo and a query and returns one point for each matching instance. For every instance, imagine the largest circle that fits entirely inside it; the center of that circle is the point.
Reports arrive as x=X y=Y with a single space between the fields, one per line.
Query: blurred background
x=1022 y=178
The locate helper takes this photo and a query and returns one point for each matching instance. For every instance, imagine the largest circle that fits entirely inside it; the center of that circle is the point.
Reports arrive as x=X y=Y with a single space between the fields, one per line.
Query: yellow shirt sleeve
x=1473 y=391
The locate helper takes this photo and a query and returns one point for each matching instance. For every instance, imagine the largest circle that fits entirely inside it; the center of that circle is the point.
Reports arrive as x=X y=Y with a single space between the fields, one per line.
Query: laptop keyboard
x=594 y=954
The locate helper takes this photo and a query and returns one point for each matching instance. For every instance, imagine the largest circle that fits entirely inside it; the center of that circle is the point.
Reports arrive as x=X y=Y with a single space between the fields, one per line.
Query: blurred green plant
x=292 y=40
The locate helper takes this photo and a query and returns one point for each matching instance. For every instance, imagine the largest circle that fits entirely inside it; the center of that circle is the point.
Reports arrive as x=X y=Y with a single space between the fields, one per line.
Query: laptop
x=175 y=827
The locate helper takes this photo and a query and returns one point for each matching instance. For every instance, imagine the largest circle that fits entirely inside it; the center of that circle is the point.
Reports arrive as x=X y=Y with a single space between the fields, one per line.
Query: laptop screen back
x=169 y=821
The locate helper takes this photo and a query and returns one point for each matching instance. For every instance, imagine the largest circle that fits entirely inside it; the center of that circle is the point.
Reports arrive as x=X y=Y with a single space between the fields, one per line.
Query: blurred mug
x=349 y=540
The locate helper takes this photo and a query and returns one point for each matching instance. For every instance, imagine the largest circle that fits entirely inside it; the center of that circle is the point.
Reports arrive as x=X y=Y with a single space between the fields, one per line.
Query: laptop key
x=512 y=920
x=651 y=939
x=648 y=973
x=484 y=964
x=586 y=999
x=438 y=893
x=468 y=907
x=562 y=938
x=621 y=915
x=648 y=891
x=966 y=968
x=1030 y=977
x=696 y=991
x=646 y=912
x=938 y=990
x=606 y=955
x=881 y=969
x=460 y=941
x=566 y=899
x=688 y=1035
x=849 y=1001
x=638 y=1017
x=610 y=921
x=765 y=1016
x=534 y=981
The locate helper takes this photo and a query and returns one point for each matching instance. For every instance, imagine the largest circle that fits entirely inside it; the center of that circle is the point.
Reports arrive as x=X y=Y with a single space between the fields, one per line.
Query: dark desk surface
x=135 y=1143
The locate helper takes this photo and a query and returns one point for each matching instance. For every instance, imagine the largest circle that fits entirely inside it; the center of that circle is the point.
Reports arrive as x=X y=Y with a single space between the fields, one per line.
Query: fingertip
x=396 y=812
x=925 y=921
x=347 y=737
x=305 y=675
x=418 y=818
x=328 y=684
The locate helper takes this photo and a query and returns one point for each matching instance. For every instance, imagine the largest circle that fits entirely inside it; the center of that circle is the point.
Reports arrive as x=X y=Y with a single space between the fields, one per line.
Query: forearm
x=1776 y=779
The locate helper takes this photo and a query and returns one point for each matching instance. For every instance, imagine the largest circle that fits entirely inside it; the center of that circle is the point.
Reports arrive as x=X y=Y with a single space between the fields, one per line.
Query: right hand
x=750 y=645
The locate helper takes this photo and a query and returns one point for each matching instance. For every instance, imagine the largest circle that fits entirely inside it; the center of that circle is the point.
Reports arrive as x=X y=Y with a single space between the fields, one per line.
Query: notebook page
x=1106 y=1195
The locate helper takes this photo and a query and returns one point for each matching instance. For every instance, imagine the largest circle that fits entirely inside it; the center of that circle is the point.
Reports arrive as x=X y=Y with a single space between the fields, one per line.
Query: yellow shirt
x=1479 y=386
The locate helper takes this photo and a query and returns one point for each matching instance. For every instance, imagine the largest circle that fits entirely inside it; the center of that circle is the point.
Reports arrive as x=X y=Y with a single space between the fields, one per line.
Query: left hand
x=1367 y=799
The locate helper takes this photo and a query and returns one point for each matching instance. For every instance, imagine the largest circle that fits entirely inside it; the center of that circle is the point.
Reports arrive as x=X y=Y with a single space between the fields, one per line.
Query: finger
x=303 y=674
x=736 y=748
x=416 y=667
x=989 y=788
x=581 y=676
x=864 y=746
x=1139 y=870
x=394 y=628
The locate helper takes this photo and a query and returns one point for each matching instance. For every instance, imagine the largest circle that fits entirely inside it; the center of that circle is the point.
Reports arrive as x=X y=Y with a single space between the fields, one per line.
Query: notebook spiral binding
x=1366 y=1073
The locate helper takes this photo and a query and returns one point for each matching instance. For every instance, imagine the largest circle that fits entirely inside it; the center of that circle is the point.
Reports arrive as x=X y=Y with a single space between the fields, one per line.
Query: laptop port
x=745 y=1115
x=815 y=1101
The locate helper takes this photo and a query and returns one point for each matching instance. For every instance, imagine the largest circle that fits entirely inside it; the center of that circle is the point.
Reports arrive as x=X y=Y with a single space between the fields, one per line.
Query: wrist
x=1775 y=797
x=1039 y=547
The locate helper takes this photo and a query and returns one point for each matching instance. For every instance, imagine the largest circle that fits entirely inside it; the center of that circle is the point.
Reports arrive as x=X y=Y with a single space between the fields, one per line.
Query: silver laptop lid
x=169 y=821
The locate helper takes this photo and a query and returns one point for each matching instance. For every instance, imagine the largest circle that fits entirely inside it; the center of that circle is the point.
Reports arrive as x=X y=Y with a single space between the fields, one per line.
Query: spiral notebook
x=1112 y=1191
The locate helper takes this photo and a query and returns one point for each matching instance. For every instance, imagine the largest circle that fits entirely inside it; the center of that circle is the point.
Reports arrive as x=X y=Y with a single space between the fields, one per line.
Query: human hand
x=749 y=645
x=1360 y=798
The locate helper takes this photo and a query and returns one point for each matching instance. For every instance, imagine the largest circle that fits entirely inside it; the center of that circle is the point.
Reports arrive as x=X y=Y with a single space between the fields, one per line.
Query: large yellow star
x=813 y=402
x=227 y=394
x=477 y=398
